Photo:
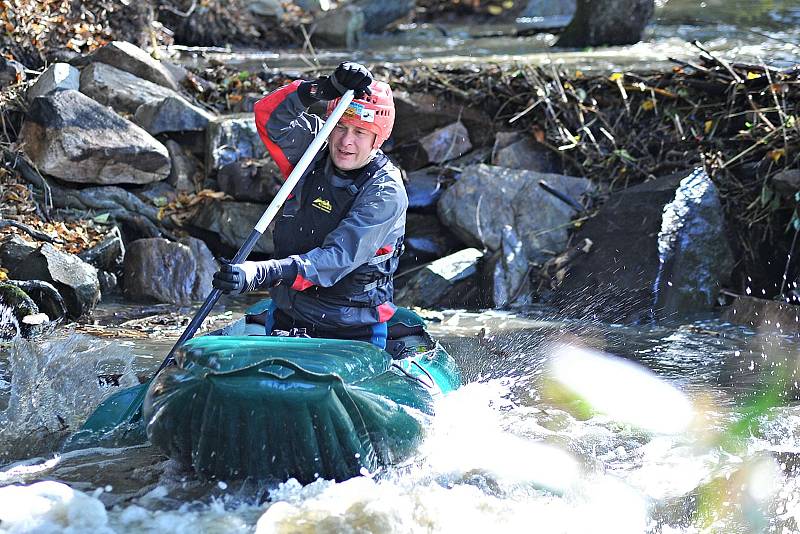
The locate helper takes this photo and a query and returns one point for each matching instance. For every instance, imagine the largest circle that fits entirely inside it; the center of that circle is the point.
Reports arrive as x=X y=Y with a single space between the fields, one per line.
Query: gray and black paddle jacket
x=344 y=231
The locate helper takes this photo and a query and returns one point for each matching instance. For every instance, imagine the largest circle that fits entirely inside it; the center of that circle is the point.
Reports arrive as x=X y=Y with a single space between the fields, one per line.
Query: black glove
x=235 y=278
x=346 y=76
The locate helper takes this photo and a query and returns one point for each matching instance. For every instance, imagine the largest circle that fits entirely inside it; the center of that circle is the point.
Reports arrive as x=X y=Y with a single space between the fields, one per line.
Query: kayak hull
x=277 y=408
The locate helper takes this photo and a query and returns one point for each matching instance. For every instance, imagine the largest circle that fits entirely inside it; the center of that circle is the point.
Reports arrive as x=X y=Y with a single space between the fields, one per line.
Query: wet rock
x=72 y=137
x=206 y=267
x=75 y=279
x=121 y=90
x=342 y=27
x=47 y=298
x=447 y=282
x=427 y=239
x=487 y=198
x=378 y=16
x=626 y=277
x=519 y=151
x=250 y=180
x=130 y=58
x=15 y=306
x=164 y=271
x=13 y=251
x=172 y=114
x=446 y=143
x=230 y=139
x=184 y=166
x=509 y=272
x=787 y=182
x=424 y=188
x=56 y=76
x=231 y=222
x=546 y=14
x=108 y=254
x=607 y=23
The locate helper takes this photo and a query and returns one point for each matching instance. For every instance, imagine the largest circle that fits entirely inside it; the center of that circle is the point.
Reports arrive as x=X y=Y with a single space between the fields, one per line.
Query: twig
x=36 y=234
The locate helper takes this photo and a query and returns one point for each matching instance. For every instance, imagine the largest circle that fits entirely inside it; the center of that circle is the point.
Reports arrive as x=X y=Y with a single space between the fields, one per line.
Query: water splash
x=54 y=387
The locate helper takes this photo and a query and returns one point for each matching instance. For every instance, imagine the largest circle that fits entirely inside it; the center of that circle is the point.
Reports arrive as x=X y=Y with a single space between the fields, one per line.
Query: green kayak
x=269 y=407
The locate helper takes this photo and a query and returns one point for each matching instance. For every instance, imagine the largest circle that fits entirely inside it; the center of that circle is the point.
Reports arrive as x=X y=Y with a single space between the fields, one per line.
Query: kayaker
x=340 y=234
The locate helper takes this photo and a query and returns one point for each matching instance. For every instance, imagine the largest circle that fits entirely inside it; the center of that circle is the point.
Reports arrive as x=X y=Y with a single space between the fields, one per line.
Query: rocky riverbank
x=635 y=196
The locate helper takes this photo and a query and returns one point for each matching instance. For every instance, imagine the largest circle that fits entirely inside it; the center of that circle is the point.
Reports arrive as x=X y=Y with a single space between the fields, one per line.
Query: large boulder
x=607 y=23
x=447 y=143
x=345 y=25
x=56 y=76
x=424 y=188
x=119 y=89
x=659 y=251
x=516 y=150
x=130 y=58
x=231 y=138
x=165 y=271
x=232 y=223
x=448 y=282
x=75 y=279
x=250 y=180
x=171 y=114
x=487 y=198
x=70 y=136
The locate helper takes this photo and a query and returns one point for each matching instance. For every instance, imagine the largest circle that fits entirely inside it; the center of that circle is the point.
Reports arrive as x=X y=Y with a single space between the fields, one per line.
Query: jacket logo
x=322 y=205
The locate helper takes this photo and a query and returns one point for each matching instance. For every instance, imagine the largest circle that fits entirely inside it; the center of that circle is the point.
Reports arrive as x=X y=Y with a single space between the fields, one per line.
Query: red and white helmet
x=373 y=112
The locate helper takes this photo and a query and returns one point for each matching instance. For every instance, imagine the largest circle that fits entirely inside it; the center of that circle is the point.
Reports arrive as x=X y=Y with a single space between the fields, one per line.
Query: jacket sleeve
x=285 y=127
x=372 y=227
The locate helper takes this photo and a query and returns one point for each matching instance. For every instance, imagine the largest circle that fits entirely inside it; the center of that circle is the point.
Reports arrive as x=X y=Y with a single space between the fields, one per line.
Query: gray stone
x=378 y=16
x=184 y=167
x=342 y=27
x=206 y=267
x=250 y=180
x=233 y=222
x=56 y=76
x=446 y=143
x=427 y=239
x=266 y=8
x=607 y=23
x=487 y=198
x=72 y=137
x=159 y=270
x=546 y=14
x=13 y=251
x=510 y=272
x=46 y=296
x=625 y=278
x=75 y=279
x=424 y=188
x=171 y=114
x=519 y=151
x=108 y=282
x=130 y=58
x=231 y=138
x=121 y=90
x=442 y=283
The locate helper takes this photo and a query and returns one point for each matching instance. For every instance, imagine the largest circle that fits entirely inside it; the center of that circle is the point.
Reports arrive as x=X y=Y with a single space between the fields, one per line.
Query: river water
x=562 y=426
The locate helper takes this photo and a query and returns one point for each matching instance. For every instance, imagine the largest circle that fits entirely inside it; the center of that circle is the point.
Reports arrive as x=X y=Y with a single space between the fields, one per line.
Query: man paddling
x=340 y=235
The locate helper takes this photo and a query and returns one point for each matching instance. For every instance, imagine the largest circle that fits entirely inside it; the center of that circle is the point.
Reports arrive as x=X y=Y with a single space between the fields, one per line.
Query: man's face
x=351 y=146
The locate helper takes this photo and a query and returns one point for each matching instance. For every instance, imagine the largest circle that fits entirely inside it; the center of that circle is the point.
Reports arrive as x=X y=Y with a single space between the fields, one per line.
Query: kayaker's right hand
x=231 y=277
x=235 y=278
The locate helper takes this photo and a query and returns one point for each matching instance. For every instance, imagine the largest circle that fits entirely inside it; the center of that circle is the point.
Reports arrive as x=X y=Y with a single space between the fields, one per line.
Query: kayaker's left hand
x=236 y=278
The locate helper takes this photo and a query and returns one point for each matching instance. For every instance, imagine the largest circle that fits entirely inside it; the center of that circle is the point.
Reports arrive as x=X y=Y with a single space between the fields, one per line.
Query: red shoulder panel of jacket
x=262 y=110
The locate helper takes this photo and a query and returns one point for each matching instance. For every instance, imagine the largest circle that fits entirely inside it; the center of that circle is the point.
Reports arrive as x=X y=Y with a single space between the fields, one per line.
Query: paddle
x=117 y=420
